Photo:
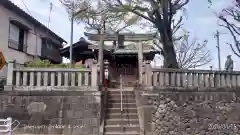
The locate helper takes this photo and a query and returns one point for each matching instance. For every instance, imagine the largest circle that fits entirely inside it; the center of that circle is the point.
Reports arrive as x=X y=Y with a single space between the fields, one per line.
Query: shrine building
x=123 y=52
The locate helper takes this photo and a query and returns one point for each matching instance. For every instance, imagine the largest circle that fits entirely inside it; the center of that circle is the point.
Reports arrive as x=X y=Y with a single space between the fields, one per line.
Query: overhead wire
x=26 y=7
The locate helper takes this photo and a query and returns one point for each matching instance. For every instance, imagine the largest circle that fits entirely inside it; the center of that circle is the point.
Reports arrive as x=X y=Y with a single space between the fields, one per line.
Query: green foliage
x=39 y=63
x=48 y=64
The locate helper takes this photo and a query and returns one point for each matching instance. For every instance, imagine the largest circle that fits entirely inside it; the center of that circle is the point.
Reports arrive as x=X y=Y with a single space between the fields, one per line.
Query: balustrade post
x=94 y=75
x=149 y=73
x=143 y=80
x=106 y=74
x=10 y=66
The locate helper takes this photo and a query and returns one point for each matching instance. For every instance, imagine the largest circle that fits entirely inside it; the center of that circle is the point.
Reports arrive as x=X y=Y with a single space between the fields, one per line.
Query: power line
x=26 y=7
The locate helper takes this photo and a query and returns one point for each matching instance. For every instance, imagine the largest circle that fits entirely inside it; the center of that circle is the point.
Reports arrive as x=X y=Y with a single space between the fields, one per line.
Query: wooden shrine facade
x=123 y=59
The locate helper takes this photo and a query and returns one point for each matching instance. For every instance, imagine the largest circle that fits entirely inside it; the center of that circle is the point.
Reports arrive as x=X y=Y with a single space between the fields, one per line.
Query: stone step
x=118 y=110
x=118 y=92
x=124 y=88
x=112 y=100
x=119 y=96
x=122 y=133
x=123 y=98
x=119 y=128
x=124 y=116
x=124 y=105
x=121 y=121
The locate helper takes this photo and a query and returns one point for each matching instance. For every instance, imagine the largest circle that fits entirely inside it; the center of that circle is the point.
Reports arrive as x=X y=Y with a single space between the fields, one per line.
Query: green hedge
x=48 y=64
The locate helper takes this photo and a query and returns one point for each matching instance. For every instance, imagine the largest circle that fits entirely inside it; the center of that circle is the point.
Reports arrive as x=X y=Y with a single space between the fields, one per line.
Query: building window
x=49 y=46
x=46 y=44
x=17 y=38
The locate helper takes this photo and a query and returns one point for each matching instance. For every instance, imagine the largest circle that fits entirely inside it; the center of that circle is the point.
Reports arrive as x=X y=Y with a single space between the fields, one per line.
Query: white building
x=23 y=38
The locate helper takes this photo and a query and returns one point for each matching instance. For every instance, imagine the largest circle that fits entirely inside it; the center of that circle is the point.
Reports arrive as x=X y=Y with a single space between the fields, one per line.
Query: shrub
x=39 y=63
x=48 y=64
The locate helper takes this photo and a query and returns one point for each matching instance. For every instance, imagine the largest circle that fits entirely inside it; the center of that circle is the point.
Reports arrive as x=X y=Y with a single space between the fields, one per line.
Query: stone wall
x=68 y=113
x=185 y=112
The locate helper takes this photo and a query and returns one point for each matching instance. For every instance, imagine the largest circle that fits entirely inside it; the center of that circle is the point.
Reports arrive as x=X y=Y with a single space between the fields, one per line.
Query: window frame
x=17 y=43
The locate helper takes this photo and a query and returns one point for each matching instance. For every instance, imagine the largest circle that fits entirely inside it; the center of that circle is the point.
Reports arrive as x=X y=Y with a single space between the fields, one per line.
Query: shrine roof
x=127 y=51
x=80 y=43
x=133 y=49
x=129 y=48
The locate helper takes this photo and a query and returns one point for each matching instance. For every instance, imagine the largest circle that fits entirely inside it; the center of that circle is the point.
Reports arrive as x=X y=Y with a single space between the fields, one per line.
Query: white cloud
x=207 y=20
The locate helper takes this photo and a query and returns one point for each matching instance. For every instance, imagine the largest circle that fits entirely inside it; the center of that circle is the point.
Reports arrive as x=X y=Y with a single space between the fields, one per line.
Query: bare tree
x=160 y=13
x=89 y=17
x=191 y=53
x=97 y=16
x=230 y=18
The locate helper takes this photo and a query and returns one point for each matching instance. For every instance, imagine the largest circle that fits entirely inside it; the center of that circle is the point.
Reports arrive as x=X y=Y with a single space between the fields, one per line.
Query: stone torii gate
x=121 y=38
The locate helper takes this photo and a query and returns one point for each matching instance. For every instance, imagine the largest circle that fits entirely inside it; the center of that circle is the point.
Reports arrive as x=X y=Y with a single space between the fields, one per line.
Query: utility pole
x=71 y=36
x=71 y=9
x=218 y=47
x=73 y=14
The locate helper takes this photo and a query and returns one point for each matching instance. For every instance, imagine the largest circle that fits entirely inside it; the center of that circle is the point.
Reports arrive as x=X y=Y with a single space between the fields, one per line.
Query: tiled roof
x=132 y=49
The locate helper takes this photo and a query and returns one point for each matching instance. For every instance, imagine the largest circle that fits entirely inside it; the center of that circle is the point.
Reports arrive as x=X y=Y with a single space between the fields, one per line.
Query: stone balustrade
x=50 y=78
x=64 y=79
x=180 y=78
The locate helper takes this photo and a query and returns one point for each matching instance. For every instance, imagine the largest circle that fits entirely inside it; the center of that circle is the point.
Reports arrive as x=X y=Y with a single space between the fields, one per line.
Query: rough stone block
x=192 y=112
x=39 y=112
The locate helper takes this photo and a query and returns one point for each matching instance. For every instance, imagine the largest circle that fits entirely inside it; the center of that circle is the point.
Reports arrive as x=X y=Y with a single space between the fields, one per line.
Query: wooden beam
x=128 y=37
x=96 y=47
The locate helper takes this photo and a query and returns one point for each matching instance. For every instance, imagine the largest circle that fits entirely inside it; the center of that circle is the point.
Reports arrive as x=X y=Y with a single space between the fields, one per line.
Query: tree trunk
x=170 y=60
x=169 y=54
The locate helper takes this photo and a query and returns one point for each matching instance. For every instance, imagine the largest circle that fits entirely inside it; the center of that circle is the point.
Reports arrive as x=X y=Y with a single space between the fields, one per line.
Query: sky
x=200 y=21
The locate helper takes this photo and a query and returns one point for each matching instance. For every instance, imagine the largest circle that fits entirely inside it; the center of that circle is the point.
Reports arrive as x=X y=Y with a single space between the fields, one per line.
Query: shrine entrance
x=127 y=67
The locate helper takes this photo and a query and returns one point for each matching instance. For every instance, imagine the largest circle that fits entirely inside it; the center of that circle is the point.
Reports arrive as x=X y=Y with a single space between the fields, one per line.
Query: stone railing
x=177 y=78
x=51 y=78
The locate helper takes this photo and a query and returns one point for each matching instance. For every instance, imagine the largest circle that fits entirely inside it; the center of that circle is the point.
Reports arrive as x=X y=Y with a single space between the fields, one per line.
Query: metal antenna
x=49 y=17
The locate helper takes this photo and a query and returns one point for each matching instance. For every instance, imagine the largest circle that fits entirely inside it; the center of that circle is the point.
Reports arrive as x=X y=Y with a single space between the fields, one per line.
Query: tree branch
x=191 y=54
x=232 y=25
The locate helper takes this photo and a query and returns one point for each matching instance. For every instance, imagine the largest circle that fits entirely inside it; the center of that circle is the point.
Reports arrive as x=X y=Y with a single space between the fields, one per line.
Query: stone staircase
x=117 y=123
